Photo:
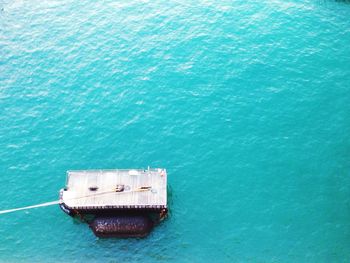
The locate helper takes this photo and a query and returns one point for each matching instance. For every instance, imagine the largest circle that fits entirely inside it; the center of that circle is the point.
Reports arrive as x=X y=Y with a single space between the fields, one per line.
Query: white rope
x=29 y=207
x=57 y=202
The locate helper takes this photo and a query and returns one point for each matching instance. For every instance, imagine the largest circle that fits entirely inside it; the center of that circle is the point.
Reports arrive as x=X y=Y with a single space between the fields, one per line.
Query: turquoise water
x=246 y=103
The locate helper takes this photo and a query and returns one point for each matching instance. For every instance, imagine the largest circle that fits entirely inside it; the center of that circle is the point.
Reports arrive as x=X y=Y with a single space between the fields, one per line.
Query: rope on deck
x=58 y=201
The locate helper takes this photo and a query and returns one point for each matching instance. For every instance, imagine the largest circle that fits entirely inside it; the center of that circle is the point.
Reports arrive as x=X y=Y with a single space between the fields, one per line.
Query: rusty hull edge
x=156 y=214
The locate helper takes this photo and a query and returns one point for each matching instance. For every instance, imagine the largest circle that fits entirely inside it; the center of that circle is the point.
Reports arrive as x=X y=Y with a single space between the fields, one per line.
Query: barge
x=116 y=203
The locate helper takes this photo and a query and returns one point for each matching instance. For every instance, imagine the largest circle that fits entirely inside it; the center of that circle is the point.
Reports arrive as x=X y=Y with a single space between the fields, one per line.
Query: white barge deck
x=116 y=189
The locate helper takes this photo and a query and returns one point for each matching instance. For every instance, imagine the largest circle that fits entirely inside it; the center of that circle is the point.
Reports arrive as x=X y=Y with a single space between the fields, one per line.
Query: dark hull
x=118 y=222
x=122 y=226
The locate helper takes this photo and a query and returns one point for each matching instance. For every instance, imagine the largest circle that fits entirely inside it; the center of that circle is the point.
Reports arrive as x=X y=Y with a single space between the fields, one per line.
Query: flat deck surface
x=79 y=194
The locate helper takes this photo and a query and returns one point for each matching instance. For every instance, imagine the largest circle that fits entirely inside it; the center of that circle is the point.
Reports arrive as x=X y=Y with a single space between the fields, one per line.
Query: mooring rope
x=73 y=198
x=29 y=207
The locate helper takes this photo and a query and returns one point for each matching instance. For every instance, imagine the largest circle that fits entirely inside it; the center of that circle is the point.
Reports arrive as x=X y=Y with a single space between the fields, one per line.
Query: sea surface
x=246 y=103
